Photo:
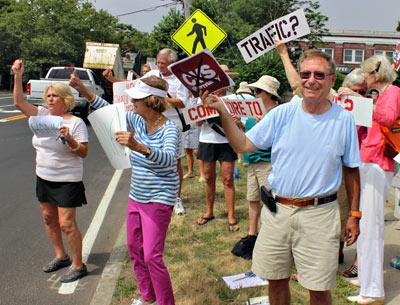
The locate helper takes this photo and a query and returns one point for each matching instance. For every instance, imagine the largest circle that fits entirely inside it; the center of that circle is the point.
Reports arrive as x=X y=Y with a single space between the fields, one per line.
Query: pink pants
x=146 y=231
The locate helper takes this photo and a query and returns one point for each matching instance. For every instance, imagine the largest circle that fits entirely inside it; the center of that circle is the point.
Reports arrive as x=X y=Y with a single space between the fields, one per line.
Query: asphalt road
x=24 y=247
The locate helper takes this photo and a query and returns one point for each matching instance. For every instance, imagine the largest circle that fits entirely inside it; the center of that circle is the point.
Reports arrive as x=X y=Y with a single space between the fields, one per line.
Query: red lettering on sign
x=248 y=103
x=348 y=104
x=192 y=114
x=211 y=111
x=257 y=108
x=201 y=111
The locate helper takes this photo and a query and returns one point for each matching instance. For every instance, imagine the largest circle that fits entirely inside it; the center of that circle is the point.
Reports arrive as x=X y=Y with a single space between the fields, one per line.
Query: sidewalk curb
x=108 y=281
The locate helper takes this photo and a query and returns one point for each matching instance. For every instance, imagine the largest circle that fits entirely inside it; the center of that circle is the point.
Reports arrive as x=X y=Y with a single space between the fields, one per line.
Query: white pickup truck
x=35 y=88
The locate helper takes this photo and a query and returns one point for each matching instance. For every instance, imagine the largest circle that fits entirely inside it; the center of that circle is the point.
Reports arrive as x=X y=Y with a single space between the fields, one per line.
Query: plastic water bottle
x=236 y=173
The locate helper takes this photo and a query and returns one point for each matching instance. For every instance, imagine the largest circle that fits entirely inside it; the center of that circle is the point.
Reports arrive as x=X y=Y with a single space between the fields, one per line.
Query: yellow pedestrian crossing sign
x=197 y=33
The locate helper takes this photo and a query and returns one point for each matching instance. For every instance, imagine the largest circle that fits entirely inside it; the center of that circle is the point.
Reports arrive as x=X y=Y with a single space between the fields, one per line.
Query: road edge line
x=105 y=289
x=94 y=227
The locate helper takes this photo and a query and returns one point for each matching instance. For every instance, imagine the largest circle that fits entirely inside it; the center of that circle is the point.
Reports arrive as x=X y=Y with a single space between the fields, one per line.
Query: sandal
x=233 y=227
x=351 y=272
x=204 y=219
x=188 y=175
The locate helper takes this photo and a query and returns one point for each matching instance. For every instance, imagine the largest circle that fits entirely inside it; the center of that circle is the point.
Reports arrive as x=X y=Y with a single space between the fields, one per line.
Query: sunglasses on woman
x=258 y=91
x=360 y=91
x=318 y=75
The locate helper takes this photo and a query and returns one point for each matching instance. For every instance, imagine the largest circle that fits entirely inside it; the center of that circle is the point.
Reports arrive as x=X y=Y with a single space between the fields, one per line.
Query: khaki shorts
x=306 y=236
x=257 y=174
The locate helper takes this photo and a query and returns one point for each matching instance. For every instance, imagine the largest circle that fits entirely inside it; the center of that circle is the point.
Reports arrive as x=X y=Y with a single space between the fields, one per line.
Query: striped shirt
x=154 y=178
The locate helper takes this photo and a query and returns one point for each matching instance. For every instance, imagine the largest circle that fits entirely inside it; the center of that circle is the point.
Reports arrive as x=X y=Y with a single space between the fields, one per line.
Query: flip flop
x=204 y=219
x=233 y=227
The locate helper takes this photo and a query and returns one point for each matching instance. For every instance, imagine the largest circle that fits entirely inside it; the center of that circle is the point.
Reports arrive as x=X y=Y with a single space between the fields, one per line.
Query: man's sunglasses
x=318 y=75
x=258 y=91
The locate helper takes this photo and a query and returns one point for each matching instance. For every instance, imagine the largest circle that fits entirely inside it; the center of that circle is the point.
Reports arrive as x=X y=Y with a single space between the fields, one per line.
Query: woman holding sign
x=59 y=170
x=154 y=183
x=376 y=173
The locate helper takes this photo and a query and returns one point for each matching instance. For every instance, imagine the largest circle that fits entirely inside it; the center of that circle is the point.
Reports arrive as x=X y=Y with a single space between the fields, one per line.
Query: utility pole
x=186 y=8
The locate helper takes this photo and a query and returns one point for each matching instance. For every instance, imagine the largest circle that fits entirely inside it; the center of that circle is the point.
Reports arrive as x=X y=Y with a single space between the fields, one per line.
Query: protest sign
x=45 y=125
x=396 y=57
x=360 y=107
x=102 y=56
x=248 y=107
x=119 y=95
x=286 y=28
x=105 y=122
x=201 y=72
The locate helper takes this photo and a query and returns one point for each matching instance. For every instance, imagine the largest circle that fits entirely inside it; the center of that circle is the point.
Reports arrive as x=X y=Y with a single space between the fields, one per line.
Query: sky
x=377 y=15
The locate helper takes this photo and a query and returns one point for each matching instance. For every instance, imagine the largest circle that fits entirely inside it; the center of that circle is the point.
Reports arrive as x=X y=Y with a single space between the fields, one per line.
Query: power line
x=146 y=9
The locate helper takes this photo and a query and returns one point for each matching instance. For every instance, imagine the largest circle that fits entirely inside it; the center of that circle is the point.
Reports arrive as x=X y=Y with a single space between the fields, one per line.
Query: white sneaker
x=139 y=302
x=355 y=282
x=359 y=299
x=179 y=209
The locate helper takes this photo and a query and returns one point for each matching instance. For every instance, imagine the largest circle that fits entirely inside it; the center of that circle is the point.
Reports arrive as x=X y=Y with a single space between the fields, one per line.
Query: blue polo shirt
x=308 y=150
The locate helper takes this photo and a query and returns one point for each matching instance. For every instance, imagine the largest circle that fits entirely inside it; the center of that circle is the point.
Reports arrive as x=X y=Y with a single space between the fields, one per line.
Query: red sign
x=201 y=72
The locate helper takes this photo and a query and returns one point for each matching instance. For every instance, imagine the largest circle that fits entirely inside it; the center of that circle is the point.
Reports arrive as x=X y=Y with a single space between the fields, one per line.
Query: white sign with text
x=45 y=125
x=105 y=122
x=360 y=107
x=119 y=95
x=286 y=28
x=248 y=107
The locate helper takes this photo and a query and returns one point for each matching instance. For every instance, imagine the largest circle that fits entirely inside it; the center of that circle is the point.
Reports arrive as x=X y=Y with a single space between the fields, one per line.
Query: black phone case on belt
x=268 y=199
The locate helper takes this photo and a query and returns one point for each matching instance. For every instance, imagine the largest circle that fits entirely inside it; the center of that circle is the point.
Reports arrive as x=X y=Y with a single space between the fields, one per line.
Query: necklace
x=384 y=88
x=156 y=124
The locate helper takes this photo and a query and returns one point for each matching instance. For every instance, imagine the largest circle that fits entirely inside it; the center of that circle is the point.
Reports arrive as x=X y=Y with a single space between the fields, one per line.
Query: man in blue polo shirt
x=311 y=139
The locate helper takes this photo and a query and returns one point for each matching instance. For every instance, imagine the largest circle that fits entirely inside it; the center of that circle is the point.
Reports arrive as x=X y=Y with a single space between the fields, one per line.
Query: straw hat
x=244 y=88
x=231 y=74
x=267 y=83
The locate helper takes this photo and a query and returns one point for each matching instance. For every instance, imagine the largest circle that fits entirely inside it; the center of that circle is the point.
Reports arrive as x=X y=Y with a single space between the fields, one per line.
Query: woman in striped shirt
x=154 y=183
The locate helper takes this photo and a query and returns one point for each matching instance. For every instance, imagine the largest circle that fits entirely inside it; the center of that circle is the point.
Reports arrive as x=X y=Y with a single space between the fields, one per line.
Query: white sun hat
x=267 y=83
x=142 y=90
x=244 y=88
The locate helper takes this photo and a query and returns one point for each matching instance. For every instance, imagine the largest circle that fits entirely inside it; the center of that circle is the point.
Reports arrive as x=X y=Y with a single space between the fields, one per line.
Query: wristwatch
x=147 y=153
x=355 y=214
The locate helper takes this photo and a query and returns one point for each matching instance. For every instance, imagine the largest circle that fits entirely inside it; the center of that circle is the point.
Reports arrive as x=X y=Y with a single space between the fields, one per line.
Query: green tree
x=160 y=37
x=53 y=32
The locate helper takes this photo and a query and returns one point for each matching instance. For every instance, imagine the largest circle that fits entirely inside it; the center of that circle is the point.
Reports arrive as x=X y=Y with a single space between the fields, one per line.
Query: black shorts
x=211 y=152
x=62 y=194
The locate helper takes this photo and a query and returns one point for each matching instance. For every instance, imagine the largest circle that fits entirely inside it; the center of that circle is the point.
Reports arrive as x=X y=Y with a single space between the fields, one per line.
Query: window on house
x=388 y=54
x=328 y=51
x=353 y=56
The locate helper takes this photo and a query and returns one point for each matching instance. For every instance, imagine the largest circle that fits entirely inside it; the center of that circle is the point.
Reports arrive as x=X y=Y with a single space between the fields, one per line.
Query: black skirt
x=62 y=194
x=211 y=152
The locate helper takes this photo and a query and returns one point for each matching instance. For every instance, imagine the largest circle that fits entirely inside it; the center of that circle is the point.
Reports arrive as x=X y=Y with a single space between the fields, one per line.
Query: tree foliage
x=52 y=32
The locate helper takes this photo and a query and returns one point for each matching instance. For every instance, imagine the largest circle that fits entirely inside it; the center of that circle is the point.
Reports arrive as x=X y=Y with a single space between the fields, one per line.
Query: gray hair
x=355 y=77
x=313 y=53
x=169 y=54
x=380 y=67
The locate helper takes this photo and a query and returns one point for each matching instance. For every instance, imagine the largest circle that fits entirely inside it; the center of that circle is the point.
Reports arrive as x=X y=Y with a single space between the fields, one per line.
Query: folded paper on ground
x=258 y=301
x=244 y=280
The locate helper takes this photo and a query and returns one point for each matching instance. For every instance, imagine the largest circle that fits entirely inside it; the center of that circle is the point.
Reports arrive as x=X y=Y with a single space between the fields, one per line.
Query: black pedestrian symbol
x=198 y=30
